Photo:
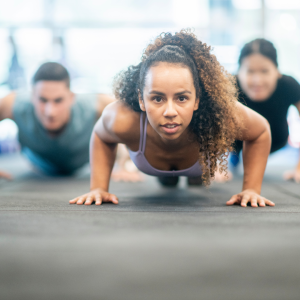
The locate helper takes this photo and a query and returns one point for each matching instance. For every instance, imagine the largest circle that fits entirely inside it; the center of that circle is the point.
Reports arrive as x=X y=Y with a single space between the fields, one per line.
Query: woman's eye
x=265 y=71
x=158 y=99
x=182 y=98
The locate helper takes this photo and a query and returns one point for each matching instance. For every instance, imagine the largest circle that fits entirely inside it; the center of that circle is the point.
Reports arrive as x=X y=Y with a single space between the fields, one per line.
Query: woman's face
x=169 y=99
x=258 y=77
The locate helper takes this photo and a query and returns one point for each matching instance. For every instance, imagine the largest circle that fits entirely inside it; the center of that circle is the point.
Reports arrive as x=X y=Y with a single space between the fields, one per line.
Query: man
x=54 y=124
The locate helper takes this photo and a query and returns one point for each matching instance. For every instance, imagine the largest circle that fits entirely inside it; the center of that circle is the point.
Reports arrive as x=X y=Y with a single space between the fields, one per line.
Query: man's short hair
x=52 y=71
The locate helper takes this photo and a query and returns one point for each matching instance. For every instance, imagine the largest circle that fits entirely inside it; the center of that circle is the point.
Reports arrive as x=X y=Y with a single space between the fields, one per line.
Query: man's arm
x=102 y=101
x=6 y=106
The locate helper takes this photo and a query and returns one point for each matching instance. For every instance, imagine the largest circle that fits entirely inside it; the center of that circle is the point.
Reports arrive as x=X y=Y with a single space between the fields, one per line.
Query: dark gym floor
x=156 y=244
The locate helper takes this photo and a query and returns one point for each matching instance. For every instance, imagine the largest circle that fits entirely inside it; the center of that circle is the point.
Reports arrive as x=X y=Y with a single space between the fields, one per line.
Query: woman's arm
x=112 y=128
x=255 y=132
x=295 y=174
x=102 y=157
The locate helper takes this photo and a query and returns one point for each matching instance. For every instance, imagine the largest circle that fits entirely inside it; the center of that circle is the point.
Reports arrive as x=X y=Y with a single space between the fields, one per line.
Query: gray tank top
x=64 y=153
x=139 y=159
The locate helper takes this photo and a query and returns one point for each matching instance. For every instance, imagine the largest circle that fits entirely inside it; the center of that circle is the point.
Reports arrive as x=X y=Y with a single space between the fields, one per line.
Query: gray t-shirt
x=64 y=153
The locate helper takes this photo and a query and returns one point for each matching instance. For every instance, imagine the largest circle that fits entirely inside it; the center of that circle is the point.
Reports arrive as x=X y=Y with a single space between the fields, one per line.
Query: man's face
x=52 y=101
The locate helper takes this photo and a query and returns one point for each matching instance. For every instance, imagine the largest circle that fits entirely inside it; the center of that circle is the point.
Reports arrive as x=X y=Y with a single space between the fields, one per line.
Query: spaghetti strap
x=139 y=159
x=144 y=135
x=141 y=132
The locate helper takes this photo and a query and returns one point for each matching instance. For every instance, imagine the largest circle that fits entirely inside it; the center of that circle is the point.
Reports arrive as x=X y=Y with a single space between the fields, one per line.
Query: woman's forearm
x=255 y=156
x=102 y=158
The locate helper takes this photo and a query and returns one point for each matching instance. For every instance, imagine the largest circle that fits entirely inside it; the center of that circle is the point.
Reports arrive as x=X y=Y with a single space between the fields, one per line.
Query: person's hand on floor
x=222 y=178
x=293 y=175
x=126 y=176
x=126 y=171
x=97 y=195
x=251 y=196
x=5 y=175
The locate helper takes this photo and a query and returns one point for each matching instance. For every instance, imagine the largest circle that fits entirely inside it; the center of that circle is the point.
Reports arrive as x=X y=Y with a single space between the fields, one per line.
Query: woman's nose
x=257 y=78
x=170 y=109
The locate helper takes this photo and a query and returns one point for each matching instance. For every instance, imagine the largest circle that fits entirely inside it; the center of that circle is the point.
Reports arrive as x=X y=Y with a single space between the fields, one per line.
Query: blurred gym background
x=95 y=39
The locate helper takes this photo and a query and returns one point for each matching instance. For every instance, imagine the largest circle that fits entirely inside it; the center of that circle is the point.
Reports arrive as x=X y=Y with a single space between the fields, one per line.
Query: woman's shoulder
x=290 y=87
x=288 y=80
x=119 y=119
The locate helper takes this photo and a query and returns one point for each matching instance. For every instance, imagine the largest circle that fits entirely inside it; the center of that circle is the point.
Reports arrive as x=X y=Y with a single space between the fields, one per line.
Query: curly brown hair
x=214 y=123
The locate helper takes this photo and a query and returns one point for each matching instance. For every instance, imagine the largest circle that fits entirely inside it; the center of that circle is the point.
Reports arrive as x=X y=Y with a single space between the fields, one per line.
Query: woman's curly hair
x=213 y=124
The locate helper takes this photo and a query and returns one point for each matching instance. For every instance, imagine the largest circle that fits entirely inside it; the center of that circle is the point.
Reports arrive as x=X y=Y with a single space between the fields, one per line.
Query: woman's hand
x=221 y=177
x=249 y=196
x=97 y=195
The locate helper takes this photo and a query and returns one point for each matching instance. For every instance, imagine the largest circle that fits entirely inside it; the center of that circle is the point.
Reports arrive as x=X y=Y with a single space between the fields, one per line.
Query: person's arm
x=6 y=108
x=102 y=157
x=295 y=174
x=255 y=132
x=112 y=128
x=123 y=159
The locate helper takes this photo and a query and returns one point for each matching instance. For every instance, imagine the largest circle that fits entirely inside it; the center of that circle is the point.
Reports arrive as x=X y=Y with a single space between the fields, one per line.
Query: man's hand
x=5 y=175
x=249 y=196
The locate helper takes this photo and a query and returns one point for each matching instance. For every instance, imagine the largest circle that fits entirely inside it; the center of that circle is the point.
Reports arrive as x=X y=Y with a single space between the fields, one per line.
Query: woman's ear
x=196 y=106
x=141 y=102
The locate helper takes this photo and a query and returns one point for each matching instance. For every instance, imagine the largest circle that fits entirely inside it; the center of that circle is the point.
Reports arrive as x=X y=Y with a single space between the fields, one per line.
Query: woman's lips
x=257 y=89
x=170 y=128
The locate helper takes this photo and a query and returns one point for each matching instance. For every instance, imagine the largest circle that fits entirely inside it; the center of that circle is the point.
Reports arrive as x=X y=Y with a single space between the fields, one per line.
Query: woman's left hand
x=251 y=196
x=221 y=177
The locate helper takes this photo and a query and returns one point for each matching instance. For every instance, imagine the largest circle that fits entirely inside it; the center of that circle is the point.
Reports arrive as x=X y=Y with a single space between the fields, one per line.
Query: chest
x=175 y=158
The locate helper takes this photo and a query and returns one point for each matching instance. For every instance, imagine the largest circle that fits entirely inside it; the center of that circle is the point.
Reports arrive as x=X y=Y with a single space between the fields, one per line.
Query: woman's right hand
x=97 y=195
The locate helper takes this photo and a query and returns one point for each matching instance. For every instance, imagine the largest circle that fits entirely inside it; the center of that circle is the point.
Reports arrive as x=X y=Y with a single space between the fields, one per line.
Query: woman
x=266 y=91
x=177 y=113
